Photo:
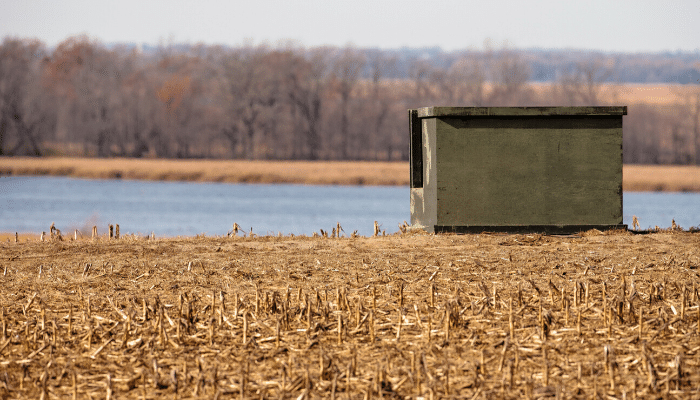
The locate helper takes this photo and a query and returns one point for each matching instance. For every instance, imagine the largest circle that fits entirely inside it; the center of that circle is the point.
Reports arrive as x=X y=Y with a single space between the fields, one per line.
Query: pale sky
x=605 y=25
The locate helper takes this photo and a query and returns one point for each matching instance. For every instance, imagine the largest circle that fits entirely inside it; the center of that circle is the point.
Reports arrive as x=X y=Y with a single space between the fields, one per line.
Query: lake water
x=31 y=204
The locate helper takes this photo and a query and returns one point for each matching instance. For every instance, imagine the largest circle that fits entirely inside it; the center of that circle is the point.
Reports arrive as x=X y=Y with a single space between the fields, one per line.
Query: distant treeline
x=545 y=65
x=258 y=102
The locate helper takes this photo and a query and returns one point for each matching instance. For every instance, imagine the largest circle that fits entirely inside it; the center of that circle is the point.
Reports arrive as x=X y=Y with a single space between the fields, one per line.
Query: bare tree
x=137 y=109
x=691 y=100
x=186 y=89
x=88 y=79
x=24 y=119
x=378 y=105
x=696 y=129
x=462 y=83
x=581 y=83
x=510 y=74
x=345 y=72
x=254 y=85
x=306 y=86
x=641 y=141
x=420 y=72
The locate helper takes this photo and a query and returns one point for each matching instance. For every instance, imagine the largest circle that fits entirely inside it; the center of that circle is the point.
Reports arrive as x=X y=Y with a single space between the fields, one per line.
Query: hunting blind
x=516 y=169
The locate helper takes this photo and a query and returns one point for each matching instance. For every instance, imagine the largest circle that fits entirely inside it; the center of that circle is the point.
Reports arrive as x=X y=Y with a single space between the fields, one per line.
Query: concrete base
x=549 y=229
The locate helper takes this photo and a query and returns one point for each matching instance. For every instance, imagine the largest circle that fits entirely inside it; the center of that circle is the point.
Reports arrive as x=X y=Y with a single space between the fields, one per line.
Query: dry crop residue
x=459 y=316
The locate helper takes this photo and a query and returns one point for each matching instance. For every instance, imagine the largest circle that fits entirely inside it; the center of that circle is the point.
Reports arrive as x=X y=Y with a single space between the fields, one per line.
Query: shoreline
x=636 y=178
x=32 y=237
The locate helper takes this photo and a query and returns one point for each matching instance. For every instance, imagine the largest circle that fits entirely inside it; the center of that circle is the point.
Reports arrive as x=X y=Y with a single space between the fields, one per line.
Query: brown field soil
x=635 y=177
x=403 y=316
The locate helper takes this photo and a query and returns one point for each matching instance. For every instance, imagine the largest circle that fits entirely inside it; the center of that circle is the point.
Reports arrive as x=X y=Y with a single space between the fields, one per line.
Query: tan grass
x=635 y=177
x=306 y=172
x=667 y=178
x=231 y=317
x=633 y=94
x=656 y=95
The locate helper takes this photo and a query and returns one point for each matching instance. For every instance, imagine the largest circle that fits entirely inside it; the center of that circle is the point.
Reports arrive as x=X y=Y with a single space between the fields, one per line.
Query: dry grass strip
x=635 y=177
x=232 y=171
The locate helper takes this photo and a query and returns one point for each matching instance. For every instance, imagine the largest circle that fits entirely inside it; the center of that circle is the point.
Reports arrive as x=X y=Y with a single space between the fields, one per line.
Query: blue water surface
x=31 y=204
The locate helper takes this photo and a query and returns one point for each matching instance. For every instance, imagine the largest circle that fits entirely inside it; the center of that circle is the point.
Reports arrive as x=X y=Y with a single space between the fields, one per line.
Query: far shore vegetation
x=636 y=178
x=84 y=98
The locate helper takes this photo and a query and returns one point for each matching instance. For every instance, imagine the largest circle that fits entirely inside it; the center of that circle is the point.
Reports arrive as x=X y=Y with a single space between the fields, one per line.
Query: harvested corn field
x=403 y=316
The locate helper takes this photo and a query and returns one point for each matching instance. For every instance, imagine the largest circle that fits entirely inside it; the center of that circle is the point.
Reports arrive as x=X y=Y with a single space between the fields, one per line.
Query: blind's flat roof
x=430 y=112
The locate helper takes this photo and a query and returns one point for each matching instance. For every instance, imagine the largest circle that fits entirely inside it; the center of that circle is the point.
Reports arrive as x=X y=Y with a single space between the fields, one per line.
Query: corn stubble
x=402 y=316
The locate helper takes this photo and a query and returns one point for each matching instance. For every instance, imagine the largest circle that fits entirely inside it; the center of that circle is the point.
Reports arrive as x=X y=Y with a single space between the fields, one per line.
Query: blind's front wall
x=528 y=171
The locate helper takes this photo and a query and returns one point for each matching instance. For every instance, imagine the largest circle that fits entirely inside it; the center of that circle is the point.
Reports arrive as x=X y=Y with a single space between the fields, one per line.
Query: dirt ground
x=404 y=316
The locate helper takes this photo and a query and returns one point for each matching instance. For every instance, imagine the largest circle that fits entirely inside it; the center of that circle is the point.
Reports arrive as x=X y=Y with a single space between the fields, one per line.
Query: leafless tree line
x=257 y=102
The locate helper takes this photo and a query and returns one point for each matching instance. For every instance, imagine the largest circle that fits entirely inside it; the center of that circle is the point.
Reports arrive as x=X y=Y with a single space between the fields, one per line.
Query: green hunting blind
x=516 y=169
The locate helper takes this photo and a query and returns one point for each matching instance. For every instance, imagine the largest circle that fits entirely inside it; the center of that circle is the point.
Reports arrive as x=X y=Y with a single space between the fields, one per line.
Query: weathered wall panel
x=512 y=170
